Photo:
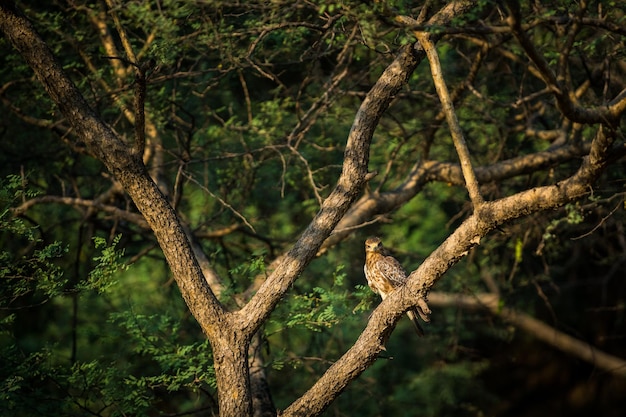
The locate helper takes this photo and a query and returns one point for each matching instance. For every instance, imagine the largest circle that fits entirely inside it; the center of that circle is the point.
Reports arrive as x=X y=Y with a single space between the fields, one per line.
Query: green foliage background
x=91 y=322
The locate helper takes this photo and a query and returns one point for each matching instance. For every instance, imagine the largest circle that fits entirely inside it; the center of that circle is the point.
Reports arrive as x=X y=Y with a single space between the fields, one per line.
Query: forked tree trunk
x=230 y=356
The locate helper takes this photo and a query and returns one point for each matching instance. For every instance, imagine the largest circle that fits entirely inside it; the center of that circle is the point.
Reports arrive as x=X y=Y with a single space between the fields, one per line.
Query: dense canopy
x=186 y=189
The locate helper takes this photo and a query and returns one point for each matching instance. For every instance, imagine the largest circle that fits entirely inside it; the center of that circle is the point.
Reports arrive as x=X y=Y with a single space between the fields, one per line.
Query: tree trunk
x=230 y=356
x=230 y=346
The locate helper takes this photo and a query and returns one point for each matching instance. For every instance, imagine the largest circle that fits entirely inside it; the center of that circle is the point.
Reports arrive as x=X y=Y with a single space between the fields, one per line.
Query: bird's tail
x=413 y=315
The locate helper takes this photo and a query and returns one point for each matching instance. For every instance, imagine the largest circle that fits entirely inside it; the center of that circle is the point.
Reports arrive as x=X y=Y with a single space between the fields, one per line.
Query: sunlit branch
x=131 y=217
x=143 y=127
x=130 y=53
x=455 y=128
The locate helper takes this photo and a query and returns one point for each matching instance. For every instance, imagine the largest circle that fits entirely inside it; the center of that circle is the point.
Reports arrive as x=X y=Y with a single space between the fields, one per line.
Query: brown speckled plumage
x=384 y=274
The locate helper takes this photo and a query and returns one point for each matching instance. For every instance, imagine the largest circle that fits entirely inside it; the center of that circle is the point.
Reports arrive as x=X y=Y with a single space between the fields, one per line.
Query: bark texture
x=231 y=332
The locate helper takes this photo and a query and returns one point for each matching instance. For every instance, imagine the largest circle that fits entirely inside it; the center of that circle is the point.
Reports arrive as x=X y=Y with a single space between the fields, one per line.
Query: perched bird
x=384 y=274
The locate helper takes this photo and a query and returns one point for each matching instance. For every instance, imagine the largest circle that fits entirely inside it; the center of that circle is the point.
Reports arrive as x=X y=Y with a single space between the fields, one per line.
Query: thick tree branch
x=373 y=204
x=537 y=328
x=351 y=181
x=230 y=347
x=208 y=272
x=489 y=216
x=495 y=213
x=128 y=169
x=349 y=185
x=414 y=181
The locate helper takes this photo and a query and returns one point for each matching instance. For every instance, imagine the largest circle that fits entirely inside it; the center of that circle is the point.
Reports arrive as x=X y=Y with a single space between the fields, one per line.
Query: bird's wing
x=392 y=270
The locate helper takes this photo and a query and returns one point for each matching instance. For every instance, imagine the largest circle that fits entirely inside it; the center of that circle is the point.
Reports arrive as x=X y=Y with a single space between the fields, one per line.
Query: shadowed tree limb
x=606 y=113
x=537 y=328
x=489 y=216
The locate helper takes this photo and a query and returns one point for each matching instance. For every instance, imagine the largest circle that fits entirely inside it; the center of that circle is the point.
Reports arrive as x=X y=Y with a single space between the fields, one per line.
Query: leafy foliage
x=31 y=272
x=248 y=107
x=38 y=381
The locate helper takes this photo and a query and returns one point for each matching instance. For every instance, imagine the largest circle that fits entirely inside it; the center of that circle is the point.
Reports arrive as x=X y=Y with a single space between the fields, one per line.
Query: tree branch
x=425 y=172
x=352 y=179
x=538 y=329
x=489 y=216
x=349 y=185
x=124 y=165
x=131 y=217
x=128 y=48
x=562 y=67
x=448 y=108
x=137 y=117
x=576 y=113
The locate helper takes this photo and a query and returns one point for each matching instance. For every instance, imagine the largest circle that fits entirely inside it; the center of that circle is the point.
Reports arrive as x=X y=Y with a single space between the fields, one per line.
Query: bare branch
x=448 y=108
x=137 y=117
x=130 y=53
x=371 y=205
x=140 y=116
x=562 y=67
x=576 y=113
x=488 y=216
x=537 y=328
x=134 y=218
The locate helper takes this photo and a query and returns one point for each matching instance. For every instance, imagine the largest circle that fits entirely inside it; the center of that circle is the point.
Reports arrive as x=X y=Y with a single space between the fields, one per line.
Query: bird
x=384 y=274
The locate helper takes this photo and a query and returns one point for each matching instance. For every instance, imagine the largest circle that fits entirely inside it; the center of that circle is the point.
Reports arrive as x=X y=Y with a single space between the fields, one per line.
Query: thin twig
x=600 y=223
x=120 y=30
x=218 y=198
x=140 y=81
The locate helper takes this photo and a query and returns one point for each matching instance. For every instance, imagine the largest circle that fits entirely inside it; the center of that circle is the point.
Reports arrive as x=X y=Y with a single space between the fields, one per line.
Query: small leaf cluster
x=32 y=269
x=323 y=308
x=108 y=264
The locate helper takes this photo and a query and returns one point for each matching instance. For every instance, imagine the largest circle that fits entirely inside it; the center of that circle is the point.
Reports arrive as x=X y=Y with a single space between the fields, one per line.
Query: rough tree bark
x=231 y=332
x=127 y=167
